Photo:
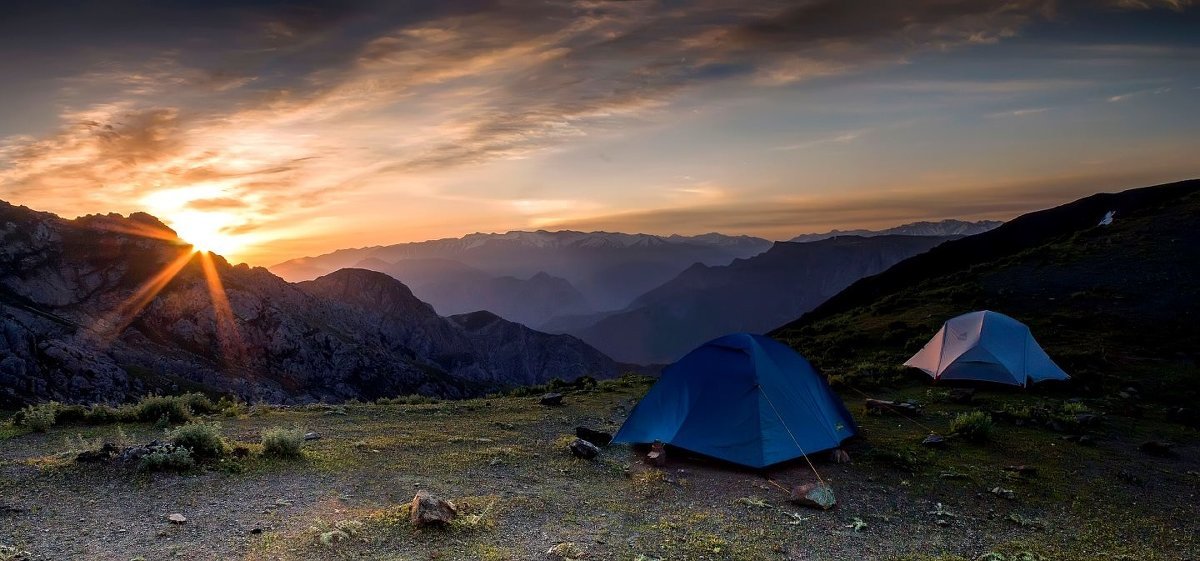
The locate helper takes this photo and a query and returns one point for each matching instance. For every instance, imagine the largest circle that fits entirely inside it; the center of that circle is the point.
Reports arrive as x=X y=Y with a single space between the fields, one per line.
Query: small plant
x=153 y=408
x=101 y=415
x=173 y=459
x=39 y=418
x=279 y=442
x=202 y=439
x=975 y=426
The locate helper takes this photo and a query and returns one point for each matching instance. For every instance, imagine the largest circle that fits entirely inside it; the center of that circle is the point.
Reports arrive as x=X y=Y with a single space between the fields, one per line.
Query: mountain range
x=105 y=307
x=608 y=269
x=753 y=294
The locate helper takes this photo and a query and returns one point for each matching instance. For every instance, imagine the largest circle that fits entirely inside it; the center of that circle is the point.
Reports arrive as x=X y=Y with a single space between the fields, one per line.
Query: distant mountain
x=753 y=294
x=455 y=288
x=87 y=313
x=1109 y=284
x=941 y=229
x=608 y=269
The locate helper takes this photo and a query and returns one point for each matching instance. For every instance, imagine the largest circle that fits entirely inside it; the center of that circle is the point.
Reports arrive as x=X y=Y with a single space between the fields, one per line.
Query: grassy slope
x=1114 y=305
x=503 y=460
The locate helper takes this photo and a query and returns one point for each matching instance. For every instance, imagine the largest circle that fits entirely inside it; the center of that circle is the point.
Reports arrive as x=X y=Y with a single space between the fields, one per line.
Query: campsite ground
x=504 y=461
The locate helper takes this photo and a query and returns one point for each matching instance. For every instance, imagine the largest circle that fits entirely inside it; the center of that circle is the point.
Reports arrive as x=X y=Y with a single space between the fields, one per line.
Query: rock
x=657 y=456
x=1005 y=493
x=1022 y=470
x=814 y=495
x=256 y=530
x=552 y=399
x=104 y=454
x=962 y=395
x=312 y=436
x=1157 y=448
x=934 y=441
x=176 y=518
x=839 y=456
x=428 y=510
x=1087 y=419
x=879 y=406
x=584 y=449
x=594 y=436
x=566 y=551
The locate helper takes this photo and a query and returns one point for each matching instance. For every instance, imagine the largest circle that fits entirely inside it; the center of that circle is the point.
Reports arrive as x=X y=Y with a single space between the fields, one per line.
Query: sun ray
x=228 y=336
x=107 y=329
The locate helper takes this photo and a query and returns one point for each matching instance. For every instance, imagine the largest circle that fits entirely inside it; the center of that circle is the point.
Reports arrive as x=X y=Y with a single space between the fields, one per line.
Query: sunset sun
x=207 y=231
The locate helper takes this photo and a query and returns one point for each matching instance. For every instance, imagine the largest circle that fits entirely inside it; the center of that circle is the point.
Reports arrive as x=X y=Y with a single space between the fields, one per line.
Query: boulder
x=814 y=495
x=552 y=399
x=584 y=449
x=312 y=436
x=594 y=436
x=428 y=510
x=176 y=518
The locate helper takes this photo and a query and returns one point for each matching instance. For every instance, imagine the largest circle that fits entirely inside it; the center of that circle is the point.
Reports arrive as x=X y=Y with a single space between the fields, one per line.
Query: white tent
x=989 y=347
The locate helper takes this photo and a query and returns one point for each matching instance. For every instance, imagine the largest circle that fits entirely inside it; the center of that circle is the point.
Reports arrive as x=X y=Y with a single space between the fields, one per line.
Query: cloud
x=1020 y=112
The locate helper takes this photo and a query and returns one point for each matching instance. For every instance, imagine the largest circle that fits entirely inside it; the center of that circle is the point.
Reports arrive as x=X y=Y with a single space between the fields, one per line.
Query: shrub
x=178 y=459
x=69 y=413
x=279 y=442
x=975 y=426
x=232 y=406
x=101 y=415
x=202 y=439
x=40 y=417
x=199 y=404
x=153 y=408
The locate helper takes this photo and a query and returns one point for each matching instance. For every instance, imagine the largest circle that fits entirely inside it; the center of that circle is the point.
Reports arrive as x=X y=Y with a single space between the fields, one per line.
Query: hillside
x=608 y=269
x=753 y=294
x=104 y=308
x=1113 y=304
x=940 y=228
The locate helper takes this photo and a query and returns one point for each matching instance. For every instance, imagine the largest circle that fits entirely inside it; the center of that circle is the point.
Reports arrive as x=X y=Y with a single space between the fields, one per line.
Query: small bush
x=279 y=442
x=178 y=459
x=101 y=415
x=202 y=439
x=70 y=414
x=199 y=404
x=975 y=426
x=153 y=408
x=39 y=418
x=232 y=407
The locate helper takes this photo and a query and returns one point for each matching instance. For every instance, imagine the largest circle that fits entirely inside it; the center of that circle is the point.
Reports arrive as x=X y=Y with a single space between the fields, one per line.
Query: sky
x=270 y=130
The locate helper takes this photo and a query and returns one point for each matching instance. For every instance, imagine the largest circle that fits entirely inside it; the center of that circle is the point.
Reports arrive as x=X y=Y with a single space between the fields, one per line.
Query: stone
x=934 y=441
x=552 y=399
x=104 y=454
x=814 y=495
x=566 y=551
x=880 y=406
x=312 y=436
x=177 y=518
x=584 y=449
x=428 y=510
x=1157 y=448
x=1087 y=419
x=839 y=456
x=1022 y=470
x=1005 y=493
x=594 y=436
x=658 y=455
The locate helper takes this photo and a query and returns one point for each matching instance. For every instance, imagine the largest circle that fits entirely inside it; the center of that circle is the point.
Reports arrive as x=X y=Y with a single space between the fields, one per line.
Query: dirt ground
x=504 y=462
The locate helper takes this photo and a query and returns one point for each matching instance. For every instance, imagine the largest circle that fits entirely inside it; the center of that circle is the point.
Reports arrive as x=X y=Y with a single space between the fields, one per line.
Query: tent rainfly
x=987 y=347
x=743 y=398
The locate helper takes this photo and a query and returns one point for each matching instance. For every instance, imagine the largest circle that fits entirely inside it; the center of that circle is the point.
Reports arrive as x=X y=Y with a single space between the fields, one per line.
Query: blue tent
x=742 y=398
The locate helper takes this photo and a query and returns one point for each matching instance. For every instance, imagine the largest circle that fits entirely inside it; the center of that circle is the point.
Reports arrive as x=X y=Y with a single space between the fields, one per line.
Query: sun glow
x=207 y=231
